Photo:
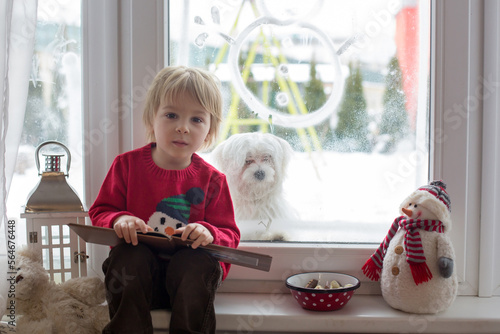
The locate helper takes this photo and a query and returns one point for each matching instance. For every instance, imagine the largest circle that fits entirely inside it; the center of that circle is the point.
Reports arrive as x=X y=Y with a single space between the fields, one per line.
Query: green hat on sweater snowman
x=173 y=212
x=415 y=261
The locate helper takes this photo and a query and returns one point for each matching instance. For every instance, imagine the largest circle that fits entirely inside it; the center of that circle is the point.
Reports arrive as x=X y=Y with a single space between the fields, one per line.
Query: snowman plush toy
x=415 y=261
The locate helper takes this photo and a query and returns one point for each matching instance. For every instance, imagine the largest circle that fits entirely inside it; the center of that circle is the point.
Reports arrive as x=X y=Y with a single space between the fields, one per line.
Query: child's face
x=180 y=128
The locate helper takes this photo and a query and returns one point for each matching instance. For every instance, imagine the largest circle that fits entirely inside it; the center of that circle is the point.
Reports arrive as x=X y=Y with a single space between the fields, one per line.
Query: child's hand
x=126 y=227
x=197 y=232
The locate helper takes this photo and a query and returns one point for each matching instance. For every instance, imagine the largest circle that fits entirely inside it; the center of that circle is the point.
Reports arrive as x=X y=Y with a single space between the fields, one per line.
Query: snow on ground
x=345 y=197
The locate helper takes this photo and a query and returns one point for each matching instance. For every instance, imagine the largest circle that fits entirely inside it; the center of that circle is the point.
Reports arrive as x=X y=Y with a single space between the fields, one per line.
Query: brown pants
x=137 y=281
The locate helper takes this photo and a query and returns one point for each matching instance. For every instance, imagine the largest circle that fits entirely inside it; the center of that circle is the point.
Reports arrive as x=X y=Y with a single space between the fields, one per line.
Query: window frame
x=489 y=264
x=123 y=46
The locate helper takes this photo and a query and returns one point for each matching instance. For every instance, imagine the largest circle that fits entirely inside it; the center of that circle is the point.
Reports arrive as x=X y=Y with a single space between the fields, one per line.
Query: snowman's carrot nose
x=169 y=231
x=407 y=212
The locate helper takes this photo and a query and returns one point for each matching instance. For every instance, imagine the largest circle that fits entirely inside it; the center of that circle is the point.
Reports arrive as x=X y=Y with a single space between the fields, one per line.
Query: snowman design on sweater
x=173 y=212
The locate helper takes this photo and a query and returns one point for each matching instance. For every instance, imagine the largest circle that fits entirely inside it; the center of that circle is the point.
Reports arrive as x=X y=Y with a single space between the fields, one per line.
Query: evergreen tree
x=314 y=98
x=352 y=127
x=394 y=122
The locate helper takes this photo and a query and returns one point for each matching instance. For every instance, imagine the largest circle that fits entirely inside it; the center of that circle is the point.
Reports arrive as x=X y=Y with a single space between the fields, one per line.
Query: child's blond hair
x=172 y=81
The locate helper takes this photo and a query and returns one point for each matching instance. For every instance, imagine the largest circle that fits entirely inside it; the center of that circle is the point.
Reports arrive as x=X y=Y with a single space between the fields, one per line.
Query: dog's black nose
x=260 y=175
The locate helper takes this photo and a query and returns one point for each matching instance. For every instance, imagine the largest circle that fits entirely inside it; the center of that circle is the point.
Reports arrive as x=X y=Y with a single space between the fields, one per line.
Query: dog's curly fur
x=255 y=165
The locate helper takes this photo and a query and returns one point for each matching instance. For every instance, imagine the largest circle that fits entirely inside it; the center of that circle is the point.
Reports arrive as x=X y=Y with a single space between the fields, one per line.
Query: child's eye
x=197 y=120
x=171 y=115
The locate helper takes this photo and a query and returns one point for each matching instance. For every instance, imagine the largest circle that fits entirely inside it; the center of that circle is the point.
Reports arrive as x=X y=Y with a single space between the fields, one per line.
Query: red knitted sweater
x=135 y=185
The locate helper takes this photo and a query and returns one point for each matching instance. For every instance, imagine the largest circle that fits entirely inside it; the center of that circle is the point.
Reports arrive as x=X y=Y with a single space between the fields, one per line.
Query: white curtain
x=17 y=35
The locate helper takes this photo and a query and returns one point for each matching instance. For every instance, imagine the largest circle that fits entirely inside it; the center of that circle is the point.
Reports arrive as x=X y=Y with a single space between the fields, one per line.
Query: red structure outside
x=407 y=44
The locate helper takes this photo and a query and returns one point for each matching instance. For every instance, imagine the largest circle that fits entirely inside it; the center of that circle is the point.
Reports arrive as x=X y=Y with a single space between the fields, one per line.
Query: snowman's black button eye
x=415 y=206
x=409 y=204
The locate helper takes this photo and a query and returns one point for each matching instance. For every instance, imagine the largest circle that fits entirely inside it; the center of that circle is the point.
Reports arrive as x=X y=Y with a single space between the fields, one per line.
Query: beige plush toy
x=42 y=306
x=415 y=261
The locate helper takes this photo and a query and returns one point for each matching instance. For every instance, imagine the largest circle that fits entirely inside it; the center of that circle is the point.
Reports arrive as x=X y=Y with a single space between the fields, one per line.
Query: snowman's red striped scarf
x=412 y=245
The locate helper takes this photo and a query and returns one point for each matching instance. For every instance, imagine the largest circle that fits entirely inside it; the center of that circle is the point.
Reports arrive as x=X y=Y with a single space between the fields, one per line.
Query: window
x=120 y=62
x=345 y=83
x=53 y=110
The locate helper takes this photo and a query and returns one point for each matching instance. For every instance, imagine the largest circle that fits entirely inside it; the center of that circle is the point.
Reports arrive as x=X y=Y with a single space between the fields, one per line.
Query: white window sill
x=266 y=313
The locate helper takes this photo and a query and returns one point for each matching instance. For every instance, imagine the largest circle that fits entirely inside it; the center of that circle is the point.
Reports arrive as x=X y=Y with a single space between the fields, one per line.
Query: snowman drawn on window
x=271 y=18
x=173 y=212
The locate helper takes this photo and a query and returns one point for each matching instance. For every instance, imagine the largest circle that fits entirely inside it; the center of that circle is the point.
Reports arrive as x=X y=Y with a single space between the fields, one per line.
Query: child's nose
x=182 y=128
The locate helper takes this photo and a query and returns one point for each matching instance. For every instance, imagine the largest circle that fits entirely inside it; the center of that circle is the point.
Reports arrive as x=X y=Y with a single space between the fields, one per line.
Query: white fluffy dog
x=255 y=166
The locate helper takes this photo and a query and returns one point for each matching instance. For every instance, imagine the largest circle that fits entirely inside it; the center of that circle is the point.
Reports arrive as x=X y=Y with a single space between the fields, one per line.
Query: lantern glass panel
x=55 y=235
x=56 y=258
x=46 y=258
x=65 y=235
x=67 y=257
x=45 y=235
x=57 y=278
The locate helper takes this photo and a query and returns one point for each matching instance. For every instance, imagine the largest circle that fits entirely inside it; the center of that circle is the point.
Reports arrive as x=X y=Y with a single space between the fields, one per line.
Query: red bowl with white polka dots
x=322 y=299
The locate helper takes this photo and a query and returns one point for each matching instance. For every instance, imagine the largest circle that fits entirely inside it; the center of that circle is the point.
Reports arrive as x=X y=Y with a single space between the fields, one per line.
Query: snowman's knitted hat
x=179 y=206
x=434 y=198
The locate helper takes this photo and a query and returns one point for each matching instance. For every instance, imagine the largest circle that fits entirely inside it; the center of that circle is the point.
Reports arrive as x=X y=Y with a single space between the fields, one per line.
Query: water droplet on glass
x=283 y=70
x=228 y=38
x=287 y=42
x=200 y=40
x=198 y=20
x=215 y=15
x=282 y=99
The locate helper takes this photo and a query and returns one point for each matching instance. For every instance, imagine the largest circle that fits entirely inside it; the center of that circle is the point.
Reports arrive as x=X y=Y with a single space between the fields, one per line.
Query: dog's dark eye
x=266 y=158
x=249 y=162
